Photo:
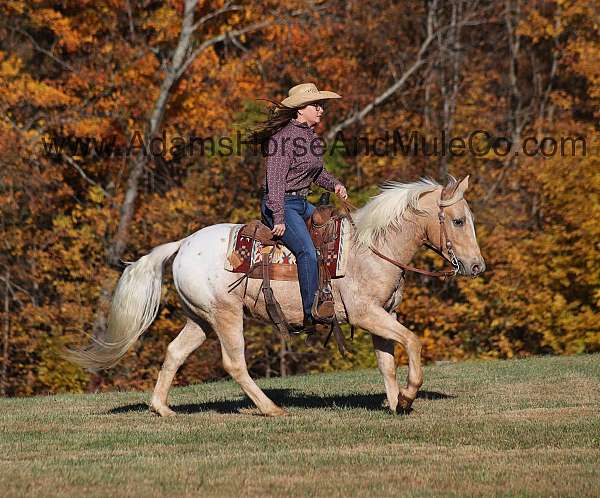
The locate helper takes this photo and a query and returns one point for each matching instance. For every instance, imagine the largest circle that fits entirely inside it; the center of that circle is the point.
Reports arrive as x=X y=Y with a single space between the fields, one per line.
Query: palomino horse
x=395 y=223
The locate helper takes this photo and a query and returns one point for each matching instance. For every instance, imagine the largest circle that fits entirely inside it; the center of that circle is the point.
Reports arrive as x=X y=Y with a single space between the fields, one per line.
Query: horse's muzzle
x=478 y=267
x=473 y=268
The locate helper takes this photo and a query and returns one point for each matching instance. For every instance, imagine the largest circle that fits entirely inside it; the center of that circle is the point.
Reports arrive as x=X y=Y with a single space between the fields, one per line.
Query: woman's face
x=311 y=114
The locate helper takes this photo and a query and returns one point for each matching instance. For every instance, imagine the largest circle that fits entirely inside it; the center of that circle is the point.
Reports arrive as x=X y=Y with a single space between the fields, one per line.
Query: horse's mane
x=386 y=210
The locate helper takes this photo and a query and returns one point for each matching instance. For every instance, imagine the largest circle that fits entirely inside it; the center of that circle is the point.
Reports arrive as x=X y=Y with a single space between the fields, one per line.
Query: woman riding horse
x=294 y=161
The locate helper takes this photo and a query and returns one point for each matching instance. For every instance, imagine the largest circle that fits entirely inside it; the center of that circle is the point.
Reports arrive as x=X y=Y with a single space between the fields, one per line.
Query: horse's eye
x=459 y=222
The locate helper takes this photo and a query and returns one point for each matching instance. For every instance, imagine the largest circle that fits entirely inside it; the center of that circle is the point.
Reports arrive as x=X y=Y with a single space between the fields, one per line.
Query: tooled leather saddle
x=254 y=252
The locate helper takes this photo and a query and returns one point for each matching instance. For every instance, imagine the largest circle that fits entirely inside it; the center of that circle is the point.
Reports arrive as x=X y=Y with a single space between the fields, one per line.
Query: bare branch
x=218 y=39
x=187 y=29
x=553 y=69
x=226 y=8
x=130 y=16
x=420 y=60
x=73 y=163
x=11 y=286
x=239 y=45
x=42 y=50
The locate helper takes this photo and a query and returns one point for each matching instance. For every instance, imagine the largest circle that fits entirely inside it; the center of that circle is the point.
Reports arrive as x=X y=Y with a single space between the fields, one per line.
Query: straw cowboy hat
x=305 y=93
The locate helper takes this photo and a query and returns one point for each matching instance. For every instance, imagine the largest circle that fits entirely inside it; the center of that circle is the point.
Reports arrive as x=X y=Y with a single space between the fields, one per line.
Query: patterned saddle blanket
x=244 y=253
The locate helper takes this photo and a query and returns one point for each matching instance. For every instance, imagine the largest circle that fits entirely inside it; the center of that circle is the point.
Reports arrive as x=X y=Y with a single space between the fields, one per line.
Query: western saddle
x=323 y=228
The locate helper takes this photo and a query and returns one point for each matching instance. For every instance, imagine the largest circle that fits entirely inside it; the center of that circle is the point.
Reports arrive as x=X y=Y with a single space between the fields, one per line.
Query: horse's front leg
x=377 y=321
x=384 y=349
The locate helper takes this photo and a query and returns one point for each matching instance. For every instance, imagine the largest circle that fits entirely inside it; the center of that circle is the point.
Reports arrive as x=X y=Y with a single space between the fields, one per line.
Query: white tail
x=134 y=307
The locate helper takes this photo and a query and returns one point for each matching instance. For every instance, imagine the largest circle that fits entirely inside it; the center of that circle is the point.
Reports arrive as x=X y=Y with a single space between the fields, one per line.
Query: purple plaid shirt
x=294 y=161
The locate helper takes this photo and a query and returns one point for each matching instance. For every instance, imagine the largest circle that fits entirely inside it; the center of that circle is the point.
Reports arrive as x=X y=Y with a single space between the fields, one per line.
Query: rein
x=453 y=260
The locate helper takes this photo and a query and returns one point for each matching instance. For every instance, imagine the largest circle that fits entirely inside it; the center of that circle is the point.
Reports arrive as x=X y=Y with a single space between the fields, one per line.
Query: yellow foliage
x=69 y=38
x=92 y=126
x=10 y=67
x=25 y=89
x=96 y=194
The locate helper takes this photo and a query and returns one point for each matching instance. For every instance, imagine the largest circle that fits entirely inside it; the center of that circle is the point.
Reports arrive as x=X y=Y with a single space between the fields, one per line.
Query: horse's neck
x=403 y=242
x=400 y=244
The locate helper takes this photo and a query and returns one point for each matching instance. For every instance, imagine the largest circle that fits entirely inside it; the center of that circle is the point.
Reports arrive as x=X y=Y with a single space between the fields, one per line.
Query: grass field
x=510 y=428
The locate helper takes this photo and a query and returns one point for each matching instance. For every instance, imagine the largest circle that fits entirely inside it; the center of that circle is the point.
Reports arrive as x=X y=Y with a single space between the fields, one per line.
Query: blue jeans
x=297 y=239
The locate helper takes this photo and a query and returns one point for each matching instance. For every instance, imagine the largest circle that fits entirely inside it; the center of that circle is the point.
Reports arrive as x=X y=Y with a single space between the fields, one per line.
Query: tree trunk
x=5 y=335
x=182 y=58
x=127 y=211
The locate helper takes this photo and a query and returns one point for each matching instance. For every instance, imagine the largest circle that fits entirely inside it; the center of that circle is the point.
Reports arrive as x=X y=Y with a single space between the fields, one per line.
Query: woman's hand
x=278 y=230
x=341 y=191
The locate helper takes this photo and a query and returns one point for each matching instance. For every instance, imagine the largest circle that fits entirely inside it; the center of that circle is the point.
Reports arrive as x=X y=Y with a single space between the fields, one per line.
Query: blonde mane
x=386 y=210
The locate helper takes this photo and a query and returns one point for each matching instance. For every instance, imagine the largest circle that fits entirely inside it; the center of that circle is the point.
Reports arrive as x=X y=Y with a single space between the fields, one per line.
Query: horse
x=388 y=229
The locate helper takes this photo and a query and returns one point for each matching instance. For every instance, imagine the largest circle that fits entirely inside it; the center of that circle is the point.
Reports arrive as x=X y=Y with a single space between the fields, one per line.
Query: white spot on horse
x=471 y=223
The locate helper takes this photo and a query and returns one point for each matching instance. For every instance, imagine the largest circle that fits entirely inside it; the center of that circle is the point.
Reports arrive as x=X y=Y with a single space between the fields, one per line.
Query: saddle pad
x=243 y=252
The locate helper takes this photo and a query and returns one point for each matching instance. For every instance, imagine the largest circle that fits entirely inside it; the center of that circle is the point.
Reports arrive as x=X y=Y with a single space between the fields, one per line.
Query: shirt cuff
x=279 y=218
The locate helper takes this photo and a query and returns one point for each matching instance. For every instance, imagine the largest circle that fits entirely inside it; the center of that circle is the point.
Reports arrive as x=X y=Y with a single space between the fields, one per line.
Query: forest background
x=113 y=68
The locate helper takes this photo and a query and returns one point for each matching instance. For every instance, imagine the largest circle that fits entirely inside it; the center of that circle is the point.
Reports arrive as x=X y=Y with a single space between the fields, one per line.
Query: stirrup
x=308 y=328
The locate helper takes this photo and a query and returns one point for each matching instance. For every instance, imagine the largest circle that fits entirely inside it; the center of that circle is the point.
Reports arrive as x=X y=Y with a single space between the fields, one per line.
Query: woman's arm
x=331 y=183
x=327 y=180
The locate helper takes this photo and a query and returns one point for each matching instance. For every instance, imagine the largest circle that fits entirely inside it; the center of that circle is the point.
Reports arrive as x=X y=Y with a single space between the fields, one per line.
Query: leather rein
x=453 y=260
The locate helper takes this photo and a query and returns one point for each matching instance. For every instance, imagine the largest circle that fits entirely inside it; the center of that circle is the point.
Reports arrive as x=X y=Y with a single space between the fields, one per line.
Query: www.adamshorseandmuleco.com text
x=478 y=143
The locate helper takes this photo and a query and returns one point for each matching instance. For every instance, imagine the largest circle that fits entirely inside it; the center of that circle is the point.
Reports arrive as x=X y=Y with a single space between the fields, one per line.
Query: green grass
x=510 y=428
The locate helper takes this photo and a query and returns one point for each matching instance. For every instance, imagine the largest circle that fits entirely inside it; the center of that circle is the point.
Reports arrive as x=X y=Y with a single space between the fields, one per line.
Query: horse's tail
x=134 y=307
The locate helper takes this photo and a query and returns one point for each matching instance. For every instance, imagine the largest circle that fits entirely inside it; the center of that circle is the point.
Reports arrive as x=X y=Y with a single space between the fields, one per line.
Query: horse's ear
x=450 y=189
x=455 y=189
x=463 y=185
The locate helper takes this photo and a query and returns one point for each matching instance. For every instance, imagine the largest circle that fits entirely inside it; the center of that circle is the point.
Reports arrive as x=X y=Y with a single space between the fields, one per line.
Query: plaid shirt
x=294 y=161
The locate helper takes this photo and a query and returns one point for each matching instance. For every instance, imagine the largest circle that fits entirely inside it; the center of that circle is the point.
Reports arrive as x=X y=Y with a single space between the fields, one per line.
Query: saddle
x=253 y=252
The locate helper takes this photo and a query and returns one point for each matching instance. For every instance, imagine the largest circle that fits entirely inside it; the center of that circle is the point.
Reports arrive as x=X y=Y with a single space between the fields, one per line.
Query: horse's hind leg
x=384 y=349
x=230 y=332
x=188 y=340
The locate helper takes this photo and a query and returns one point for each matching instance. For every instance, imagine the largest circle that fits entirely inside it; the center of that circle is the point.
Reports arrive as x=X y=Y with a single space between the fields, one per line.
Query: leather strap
x=273 y=309
x=438 y=274
x=336 y=331
x=323 y=237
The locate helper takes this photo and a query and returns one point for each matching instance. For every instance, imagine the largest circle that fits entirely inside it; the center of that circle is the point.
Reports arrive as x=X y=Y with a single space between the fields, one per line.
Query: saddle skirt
x=244 y=252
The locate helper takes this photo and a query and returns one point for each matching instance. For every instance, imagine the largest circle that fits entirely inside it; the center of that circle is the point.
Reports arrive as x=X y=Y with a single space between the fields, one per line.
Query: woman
x=294 y=161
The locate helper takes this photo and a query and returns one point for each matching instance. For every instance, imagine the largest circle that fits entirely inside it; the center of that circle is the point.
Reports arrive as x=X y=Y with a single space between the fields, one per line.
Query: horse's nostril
x=475 y=269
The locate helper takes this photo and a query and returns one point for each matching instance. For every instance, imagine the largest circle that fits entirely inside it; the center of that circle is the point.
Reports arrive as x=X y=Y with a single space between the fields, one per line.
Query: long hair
x=279 y=116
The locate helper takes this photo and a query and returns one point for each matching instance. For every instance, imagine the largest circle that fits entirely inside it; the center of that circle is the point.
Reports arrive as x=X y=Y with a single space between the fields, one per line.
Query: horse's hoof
x=163 y=411
x=279 y=412
x=404 y=405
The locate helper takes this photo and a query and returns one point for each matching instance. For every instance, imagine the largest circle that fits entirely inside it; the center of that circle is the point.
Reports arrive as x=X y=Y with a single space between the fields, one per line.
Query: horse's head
x=452 y=226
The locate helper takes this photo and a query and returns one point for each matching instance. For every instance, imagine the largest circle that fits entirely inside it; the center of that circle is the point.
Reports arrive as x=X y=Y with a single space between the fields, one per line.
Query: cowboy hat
x=305 y=93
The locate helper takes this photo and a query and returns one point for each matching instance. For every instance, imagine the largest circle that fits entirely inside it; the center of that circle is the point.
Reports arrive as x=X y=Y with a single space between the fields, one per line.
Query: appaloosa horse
x=395 y=224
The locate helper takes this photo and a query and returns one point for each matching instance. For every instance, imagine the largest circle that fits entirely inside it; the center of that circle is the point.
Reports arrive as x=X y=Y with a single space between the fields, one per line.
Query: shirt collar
x=300 y=125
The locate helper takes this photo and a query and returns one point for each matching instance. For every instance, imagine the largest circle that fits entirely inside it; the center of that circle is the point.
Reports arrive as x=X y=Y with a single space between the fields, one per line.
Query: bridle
x=453 y=260
x=444 y=242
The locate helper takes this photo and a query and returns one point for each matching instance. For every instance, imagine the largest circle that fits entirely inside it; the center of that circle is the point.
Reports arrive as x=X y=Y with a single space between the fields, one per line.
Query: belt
x=298 y=193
